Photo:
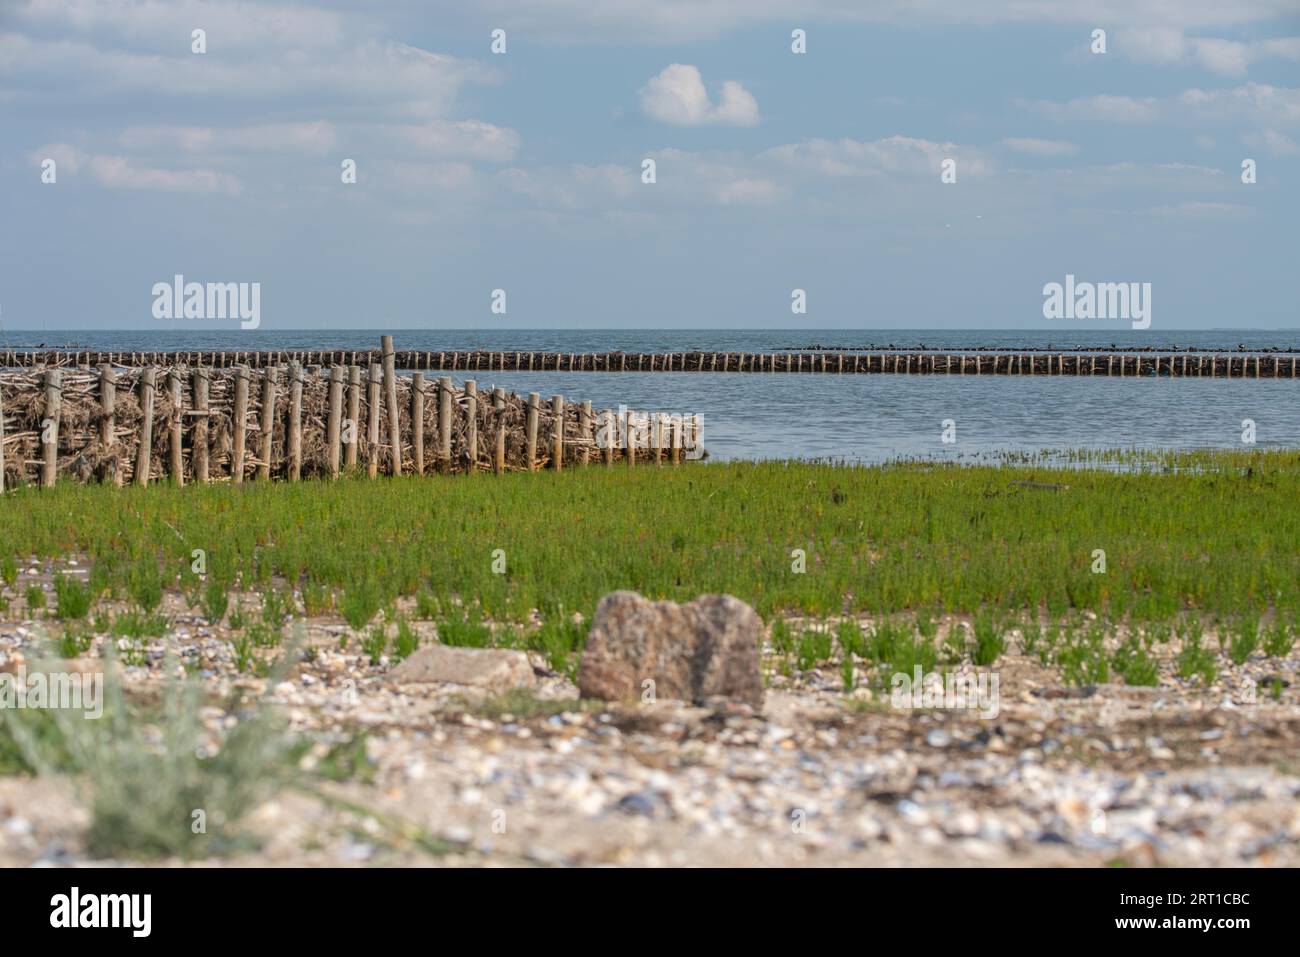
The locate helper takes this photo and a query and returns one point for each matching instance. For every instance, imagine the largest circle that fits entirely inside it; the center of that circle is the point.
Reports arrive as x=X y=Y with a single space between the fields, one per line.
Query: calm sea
x=857 y=418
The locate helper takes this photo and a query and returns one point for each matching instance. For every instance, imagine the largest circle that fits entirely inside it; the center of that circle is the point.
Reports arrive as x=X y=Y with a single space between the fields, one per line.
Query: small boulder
x=496 y=669
x=707 y=648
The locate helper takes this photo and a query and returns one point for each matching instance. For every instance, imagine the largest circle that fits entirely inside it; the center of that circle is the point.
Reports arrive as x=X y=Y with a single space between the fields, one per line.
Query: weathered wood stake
x=143 y=455
x=295 y=421
x=417 y=422
x=610 y=431
x=557 y=435
x=334 y=423
x=267 y=423
x=499 y=401
x=353 y=428
x=202 y=381
x=471 y=426
x=177 y=389
x=107 y=423
x=444 y=424
x=534 y=402
x=240 y=424
x=394 y=419
x=586 y=433
x=372 y=419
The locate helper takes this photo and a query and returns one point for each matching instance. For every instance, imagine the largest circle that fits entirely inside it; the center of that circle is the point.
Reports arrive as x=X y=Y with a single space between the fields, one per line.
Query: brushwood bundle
x=202 y=424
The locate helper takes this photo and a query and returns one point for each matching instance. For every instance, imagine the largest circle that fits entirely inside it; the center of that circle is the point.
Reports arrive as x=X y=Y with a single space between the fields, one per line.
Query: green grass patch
x=1212 y=531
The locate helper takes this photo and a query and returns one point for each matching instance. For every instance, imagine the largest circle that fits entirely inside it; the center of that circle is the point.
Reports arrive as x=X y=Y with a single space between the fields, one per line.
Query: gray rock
x=644 y=804
x=707 y=648
x=496 y=669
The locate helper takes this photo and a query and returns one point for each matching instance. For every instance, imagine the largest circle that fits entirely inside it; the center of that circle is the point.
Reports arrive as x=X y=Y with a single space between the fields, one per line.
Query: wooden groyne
x=1190 y=364
x=921 y=347
x=195 y=423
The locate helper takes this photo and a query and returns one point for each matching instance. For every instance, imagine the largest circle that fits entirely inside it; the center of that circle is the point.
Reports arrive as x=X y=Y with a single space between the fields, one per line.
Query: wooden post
x=657 y=432
x=144 y=453
x=372 y=419
x=417 y=422
x=499 y=401
x=533 y=410
x=557 y=435
x=2 y=442
x=471 y=426
x=177 y=390
x=267 y=422
x=586 y=433
x=334 y=424
x=354 y=417
x=534 y=402
x=240 y=424
x=675 y=450
x=444 y=424
x=294 y=434
x=107 y=422
x=611 y=431
x=631 y=431
x=202 y=380
x=390 y=396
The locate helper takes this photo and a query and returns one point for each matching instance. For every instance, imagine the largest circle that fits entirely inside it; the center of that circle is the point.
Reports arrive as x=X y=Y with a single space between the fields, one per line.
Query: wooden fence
x=199 y=424
x=1189 y=364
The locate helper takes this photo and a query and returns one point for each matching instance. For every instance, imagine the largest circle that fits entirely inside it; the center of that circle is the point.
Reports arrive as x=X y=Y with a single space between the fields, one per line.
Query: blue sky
x=774 y=171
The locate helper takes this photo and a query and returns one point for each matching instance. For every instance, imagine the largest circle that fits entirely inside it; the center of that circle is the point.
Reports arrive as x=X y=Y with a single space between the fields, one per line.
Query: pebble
x=698 y=786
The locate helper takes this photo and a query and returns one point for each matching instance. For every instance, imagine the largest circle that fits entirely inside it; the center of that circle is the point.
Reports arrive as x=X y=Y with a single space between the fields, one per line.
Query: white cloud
x=1152 y=44
x=154 y=25
x=745 y=191
x=302 y=81
x=468 y=139
x=1251 y=102
x=1274 y=142
x=1103 y=107
x=675 y=21
x=120 y=172
x=1037 y=147
x=677 y=96
x=894 y=154
x=1170 y=45
x=307 y=137
x=383 y=78
x=1203 y=210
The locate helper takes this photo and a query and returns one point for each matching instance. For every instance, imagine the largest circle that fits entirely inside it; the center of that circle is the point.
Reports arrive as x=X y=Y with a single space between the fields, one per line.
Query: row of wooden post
x=342 y=454
x=983 y=362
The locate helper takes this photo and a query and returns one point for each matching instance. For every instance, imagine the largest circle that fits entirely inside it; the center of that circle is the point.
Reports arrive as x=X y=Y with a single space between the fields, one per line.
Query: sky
x=522 y=169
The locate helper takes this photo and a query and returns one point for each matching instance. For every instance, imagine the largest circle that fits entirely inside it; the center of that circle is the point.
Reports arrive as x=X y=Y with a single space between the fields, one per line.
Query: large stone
x=707 y=648
x=496 y=669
